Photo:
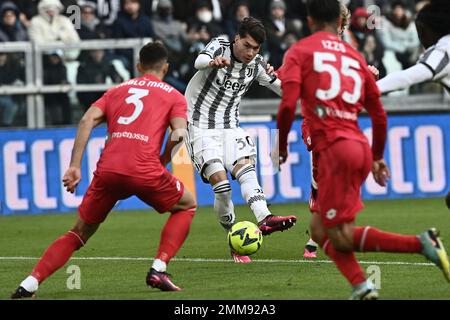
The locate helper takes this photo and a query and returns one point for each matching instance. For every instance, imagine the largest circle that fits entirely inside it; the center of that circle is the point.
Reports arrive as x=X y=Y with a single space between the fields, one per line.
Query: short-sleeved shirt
x=138 y=113
x=213 y=95
x=334 y=84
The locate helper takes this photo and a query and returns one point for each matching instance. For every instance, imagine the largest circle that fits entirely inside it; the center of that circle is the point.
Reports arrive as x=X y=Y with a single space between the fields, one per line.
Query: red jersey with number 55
x=335 y=85
x=138 y=113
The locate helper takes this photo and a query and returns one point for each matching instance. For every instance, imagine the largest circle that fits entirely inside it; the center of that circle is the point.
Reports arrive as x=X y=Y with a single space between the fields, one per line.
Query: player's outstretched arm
x=404 y=79
x=92 y=118
x=204 y=61
x=175 y=140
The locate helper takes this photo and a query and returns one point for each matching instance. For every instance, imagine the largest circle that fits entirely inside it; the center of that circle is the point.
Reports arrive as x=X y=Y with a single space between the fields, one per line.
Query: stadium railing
x=260 y=109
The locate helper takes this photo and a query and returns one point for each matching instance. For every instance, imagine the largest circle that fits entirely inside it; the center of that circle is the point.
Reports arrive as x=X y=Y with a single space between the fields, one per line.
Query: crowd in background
x=185 y=26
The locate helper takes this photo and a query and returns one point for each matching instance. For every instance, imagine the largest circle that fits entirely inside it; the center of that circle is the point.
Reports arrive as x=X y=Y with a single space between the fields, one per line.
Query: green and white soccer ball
x=245 y=238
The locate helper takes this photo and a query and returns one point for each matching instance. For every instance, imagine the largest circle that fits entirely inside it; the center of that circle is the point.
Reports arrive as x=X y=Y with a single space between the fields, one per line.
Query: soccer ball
x=245 y=238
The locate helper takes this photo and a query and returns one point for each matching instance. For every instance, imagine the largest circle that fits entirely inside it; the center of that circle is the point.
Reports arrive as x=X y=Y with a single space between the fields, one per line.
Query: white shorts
x=226 y=146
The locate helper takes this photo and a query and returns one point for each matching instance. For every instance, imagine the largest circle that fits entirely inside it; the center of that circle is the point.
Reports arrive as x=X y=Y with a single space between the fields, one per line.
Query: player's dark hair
x=253 y=27
x=326 y=11
x=153 y=54
x=436 y=15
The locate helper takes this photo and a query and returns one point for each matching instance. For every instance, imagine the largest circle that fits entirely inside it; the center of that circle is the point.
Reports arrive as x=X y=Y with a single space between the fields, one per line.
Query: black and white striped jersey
x=437 y=59
x=213 y=95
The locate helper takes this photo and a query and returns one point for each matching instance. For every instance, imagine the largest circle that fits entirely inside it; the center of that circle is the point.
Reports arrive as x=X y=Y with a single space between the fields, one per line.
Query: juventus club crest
x=249 y=71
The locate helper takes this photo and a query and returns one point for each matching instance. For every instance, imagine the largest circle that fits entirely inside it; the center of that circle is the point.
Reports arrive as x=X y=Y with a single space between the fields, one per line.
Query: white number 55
x=135 y=98
x=348 y=69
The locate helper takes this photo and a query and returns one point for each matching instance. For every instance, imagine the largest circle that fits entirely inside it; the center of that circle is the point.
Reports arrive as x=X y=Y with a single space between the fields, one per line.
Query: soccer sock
x=223 y=206
x=30 y=284
x=345 y=262
x=368 y=239
x=159 y=265
x=57 y=255
x=174 y=233
x=252 y=192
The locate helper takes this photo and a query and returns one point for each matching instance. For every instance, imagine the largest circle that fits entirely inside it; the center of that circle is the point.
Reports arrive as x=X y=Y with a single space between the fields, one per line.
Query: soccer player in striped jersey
x=216 y=142
x=433 y=27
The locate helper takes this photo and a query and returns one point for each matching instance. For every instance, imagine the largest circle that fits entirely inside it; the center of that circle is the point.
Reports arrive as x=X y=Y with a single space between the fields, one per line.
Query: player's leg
x=169 y=196
x=240 y=160
x=205 y=147
x=311 y=246
x=93 y=210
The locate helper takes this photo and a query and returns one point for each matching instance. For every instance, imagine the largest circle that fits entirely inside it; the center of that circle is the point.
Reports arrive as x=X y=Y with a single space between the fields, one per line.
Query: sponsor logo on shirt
x=227 y=84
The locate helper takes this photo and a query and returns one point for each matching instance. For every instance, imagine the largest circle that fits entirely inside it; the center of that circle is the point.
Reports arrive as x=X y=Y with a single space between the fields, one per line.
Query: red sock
x=368 y=239
x=57 y=255
x=174 y=233
x=345 y=262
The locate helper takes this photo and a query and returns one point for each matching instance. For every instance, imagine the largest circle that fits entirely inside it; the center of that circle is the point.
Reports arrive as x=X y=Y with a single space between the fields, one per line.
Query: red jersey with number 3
x=138 y=113
x=335 y=85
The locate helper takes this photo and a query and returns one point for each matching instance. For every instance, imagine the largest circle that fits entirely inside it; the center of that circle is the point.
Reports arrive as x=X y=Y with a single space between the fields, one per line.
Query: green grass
x=136 y=234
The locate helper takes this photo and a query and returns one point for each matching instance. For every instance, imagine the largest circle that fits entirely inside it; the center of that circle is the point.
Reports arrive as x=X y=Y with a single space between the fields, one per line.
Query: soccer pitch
x=114 y=263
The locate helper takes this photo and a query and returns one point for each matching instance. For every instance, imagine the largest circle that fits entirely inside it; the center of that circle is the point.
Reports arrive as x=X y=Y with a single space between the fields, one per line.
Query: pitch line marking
x=397 y=263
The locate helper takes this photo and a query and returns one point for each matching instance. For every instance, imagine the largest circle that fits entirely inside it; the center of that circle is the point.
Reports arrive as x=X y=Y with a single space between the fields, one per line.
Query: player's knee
x=342 y=244
x=245 y=173
x=84 y=231
x=212 y=170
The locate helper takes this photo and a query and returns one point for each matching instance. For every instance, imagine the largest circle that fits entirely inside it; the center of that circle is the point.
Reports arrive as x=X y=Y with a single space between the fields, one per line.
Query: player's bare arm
x=92 y=118
x=175 y=141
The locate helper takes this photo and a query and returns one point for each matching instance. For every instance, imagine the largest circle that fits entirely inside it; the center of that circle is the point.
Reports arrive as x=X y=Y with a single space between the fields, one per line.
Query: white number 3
x=135 y=98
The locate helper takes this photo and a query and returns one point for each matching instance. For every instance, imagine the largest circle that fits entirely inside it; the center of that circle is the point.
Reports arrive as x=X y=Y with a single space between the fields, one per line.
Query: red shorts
x=344 y=167
x=162 y=193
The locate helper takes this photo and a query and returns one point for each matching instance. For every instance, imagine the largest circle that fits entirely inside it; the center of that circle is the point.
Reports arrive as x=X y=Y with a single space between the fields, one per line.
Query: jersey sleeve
x=266 y=80
x=374 y=107
x=290 y=71
x=102 y=102
x=437 y=61
x=179 y=108
x=214 y=48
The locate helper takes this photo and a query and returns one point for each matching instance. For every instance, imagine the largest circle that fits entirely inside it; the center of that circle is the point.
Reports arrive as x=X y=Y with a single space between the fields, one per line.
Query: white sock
x=30 y=284
x=312 y=243
x=159 y=265
x=252 y=192
x=223 y=206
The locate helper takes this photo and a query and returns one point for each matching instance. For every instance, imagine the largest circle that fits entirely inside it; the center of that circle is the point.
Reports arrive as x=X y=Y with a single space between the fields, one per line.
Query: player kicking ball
x=334 y=85
x=137 y=113
x=217 y=144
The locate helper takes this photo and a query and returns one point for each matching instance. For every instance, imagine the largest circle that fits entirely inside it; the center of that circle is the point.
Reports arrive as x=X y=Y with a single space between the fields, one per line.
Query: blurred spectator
x=91 y=26
x=239 y=12
x=131 y=23
x=358 y=30
x=202 y=26
x=11 y=29
x=11 y=73
x=399 y=34
x=373 y=52
x=277 y=27
x=107 y=11
x=57 y=106
x=95 y=69
x=50 y=25
x=173 y=34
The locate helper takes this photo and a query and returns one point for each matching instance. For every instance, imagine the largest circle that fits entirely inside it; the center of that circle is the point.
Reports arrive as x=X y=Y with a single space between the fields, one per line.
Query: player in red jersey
x=310 y=251
x=334 y=85
x=138 y=113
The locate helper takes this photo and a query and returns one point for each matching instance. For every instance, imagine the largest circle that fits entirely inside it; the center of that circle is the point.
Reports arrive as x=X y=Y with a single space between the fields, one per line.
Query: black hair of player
x=153 y=55
x=254 y=28
x=433 y=22
x=324 y=11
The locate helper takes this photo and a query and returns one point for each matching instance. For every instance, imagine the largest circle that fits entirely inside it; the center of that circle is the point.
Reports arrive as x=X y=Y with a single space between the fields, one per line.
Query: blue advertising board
x=33 y=161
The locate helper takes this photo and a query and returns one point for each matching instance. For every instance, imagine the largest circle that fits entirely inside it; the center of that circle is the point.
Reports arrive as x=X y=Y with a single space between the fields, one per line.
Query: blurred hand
x=219 y=62
x=71 y=179
x=271 y=70
x=375 y=72
x=381 y=172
